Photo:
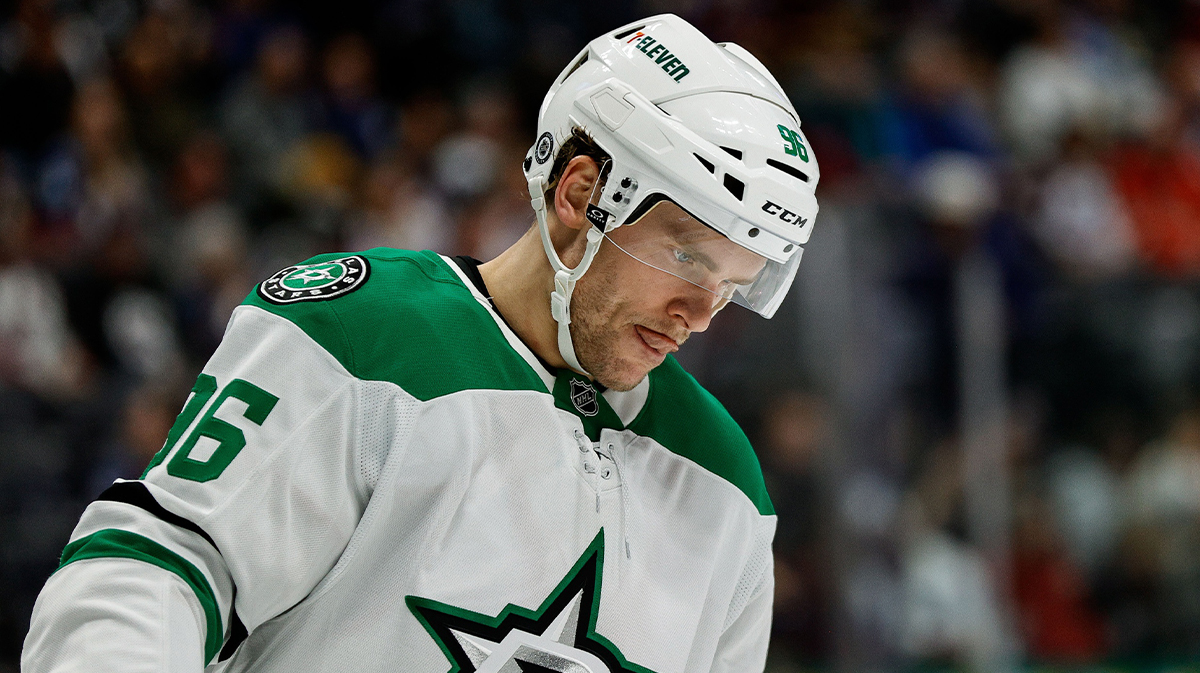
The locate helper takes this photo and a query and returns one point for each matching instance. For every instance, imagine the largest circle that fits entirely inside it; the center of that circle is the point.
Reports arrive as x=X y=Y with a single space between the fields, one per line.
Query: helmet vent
x=712 y=168
x=735 y=186
x=736 y=154
x=794 y=172
x=627 y=32
x=577 y=65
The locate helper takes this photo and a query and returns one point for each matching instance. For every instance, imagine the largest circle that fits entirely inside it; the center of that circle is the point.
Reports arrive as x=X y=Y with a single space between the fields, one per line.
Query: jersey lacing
x=625 y=519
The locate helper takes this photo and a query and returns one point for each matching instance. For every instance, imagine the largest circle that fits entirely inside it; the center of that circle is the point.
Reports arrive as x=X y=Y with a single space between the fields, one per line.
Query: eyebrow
x=708 y=262
x=679 y=233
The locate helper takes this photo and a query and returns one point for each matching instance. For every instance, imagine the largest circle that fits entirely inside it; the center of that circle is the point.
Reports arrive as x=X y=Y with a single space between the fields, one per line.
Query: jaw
x=624 y=380
x=620 y=363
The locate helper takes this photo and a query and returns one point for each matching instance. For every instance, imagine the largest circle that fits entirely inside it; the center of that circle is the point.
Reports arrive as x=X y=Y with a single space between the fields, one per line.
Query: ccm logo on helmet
x=784 y=214
x=660 y=54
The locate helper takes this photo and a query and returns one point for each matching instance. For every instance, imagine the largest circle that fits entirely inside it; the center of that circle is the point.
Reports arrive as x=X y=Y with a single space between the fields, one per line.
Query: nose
x=696 y=308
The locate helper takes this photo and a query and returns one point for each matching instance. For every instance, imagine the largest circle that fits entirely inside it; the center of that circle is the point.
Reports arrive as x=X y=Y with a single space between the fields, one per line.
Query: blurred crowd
x=978 y=412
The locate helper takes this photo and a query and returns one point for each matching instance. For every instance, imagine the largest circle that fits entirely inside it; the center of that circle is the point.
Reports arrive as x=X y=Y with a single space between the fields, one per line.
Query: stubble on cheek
x=598 y=325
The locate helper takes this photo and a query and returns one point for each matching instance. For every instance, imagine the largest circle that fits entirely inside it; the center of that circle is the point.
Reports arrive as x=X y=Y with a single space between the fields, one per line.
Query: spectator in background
x=207 y=267
x=238 y=29
x=1051 y=590
x=837 y=85
x=1183 y=76
x=116 y=305
x=400 y=205
x=794 y=433
x=350 y=103
x=321 y=174
x=38 y=352
x=398 y=209
x=957 y=197
x=939 y=107
x=1085 y=501
x=1077 y=73
x=950 y=609
x=495 y=220
x=265 y=112
x=158 y=63
x=103 y=250
x=425 y=120
x=1159 y=179
x=1080 y=220
x=32 y=72
x=466 y=163
x=477 y=169
x=1163 y=491
x=145 y=418
x=115 y=190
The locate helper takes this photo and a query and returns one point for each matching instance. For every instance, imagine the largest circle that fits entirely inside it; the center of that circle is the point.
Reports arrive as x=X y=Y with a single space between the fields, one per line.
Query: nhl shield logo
x=316 y=282
x=583 y=396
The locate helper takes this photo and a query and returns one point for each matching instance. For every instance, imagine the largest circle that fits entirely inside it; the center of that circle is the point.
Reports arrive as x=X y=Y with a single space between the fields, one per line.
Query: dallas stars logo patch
x=316 y=282
x=558 y=637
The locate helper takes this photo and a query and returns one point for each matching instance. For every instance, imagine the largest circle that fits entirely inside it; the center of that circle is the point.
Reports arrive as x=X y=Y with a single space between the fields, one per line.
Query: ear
x=573 y=192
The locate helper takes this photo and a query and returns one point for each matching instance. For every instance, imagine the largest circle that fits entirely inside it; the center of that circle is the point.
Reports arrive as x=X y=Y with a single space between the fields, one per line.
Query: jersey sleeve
x=743 y=644
x=113 y=614
x=250 y=503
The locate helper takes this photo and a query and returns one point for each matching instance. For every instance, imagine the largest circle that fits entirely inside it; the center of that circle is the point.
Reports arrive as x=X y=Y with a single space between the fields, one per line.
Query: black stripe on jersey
x=237 y=633
x=135 y=493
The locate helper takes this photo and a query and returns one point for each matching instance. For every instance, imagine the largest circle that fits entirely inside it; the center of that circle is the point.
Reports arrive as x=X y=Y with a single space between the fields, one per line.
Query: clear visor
x=666 y=237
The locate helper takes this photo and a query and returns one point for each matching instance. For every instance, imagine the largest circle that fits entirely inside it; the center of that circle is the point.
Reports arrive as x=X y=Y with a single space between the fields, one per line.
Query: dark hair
x=580 y=143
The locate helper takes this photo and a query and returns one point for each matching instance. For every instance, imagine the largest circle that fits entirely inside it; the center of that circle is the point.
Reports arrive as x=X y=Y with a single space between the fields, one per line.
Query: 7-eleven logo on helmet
x=660 y=54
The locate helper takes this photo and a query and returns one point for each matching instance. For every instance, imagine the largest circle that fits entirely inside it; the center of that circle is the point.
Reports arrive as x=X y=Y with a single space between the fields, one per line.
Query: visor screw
x=787 y=248
x=625 y=182
x=753 y=232
x=617 y=196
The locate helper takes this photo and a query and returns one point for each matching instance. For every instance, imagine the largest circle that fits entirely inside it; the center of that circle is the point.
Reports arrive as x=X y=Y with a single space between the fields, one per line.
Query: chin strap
x=564 y=277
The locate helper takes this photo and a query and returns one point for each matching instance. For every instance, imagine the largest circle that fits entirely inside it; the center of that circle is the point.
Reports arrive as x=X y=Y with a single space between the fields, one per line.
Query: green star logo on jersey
x=557 y=637
x=315 y=282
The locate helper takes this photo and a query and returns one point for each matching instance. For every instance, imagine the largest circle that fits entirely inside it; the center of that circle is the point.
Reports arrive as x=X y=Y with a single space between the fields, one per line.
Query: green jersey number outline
x=794 y=146
x=231 y=440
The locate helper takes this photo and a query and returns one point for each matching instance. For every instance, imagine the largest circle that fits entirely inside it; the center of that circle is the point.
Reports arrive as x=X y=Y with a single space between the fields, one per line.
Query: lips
x=658 y=341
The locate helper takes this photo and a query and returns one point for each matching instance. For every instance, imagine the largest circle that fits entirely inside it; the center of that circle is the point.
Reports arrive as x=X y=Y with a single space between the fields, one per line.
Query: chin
x=620 y=376
x=620 y=362
x=621 y=385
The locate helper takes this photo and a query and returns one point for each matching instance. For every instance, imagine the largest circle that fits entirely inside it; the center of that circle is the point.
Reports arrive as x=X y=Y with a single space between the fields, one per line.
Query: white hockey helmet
x=702 y=125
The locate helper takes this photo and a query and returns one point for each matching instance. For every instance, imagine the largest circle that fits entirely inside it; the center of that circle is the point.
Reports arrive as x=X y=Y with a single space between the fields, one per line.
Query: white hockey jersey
x=374 y=474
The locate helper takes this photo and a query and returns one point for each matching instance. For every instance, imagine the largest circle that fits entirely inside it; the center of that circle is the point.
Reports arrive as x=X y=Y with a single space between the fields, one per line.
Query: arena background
x=978 y=410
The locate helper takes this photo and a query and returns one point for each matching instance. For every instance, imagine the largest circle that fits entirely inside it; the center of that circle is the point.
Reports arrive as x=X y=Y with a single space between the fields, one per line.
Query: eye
x=682 y=257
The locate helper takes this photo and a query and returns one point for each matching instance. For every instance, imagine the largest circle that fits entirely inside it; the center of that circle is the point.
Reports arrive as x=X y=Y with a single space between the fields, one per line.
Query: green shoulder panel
x=686 y=419
x=410 y=321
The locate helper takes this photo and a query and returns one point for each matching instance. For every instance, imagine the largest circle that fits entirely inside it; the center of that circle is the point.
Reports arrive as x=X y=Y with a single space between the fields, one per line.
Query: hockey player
x=398 y=461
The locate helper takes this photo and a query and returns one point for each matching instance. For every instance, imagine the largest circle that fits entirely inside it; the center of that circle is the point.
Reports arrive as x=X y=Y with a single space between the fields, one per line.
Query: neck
x=521 y=280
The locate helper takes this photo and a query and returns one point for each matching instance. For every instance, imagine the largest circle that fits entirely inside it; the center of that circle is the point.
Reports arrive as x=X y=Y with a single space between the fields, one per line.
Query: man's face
x=651 y=285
